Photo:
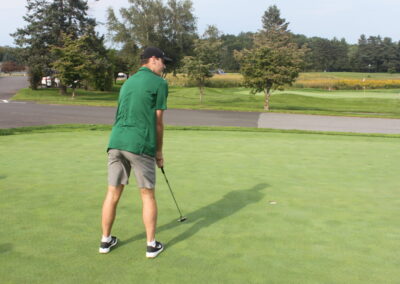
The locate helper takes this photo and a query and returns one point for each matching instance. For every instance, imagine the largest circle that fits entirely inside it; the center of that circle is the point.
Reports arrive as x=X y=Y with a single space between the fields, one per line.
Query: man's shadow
x=206 y=216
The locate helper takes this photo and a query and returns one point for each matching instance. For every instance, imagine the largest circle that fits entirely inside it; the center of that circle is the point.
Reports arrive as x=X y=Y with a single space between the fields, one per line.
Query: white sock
x=152 y=243
x=105 y=239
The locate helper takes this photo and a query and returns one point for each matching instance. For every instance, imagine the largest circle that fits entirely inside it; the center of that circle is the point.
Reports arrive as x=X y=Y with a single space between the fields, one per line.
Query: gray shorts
x=119 y=168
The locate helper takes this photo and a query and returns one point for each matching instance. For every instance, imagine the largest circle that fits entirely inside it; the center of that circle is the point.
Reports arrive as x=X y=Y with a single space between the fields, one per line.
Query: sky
x=346 y=19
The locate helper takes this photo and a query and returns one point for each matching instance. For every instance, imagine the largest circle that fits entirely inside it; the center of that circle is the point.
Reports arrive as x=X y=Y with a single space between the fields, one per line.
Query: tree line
x=60 y=40
x=370 y=54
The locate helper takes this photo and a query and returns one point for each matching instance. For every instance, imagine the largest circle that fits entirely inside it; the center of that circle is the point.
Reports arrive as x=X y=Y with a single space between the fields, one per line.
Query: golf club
x=181 y=218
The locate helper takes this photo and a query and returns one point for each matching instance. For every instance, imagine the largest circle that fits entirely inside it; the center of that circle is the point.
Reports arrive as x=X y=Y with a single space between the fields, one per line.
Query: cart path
x=329 y=123
x=18 y=114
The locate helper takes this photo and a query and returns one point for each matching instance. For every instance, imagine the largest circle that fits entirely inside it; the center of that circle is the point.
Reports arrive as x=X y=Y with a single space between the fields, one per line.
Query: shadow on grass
x=208 y=215
x=3 y=177
x=7 y=247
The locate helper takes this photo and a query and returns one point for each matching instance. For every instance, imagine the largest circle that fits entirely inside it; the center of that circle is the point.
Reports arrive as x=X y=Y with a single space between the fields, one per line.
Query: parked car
x=46 y=82
x=122 y=76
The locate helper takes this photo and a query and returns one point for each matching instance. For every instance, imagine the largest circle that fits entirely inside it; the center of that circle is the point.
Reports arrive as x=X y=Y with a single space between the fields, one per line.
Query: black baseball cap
x=151 y=51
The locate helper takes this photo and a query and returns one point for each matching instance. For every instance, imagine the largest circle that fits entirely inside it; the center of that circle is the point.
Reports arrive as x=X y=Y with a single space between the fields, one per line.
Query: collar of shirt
x=144 y=68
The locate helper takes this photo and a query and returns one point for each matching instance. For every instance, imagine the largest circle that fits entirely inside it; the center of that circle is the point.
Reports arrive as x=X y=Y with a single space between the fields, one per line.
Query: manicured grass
x=371 y=103
x=352 y=105
x=52 y=96
x=334 y=219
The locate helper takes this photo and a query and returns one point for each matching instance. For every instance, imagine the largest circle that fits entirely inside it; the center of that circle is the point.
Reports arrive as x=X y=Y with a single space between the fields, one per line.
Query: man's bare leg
x=149 y=212
x=110 y=208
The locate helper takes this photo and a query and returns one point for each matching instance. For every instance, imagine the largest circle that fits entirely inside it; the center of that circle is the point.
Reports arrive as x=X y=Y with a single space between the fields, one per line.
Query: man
x=136 y=142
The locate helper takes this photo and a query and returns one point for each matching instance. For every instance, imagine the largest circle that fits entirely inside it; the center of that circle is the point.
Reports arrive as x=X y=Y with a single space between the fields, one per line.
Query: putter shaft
x=181 y=218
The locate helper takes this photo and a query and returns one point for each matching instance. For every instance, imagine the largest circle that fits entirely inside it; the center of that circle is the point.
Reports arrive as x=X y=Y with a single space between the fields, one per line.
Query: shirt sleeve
x=162 y=94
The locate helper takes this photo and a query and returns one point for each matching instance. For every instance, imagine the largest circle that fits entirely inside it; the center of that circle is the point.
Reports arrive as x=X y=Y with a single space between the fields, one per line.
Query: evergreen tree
x=46 y=21
x=340 y=55
x=272 y=21
x=101 y=75
x=327 y=55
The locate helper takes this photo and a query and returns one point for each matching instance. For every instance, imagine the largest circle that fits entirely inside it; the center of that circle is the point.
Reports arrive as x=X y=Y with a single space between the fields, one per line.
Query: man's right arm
x=160 y=136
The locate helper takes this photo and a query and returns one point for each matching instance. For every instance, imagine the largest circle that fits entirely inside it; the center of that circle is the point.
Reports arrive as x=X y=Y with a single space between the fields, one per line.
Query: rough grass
x=347 y=80
x=229 y=80
x=262 y=208
x=348 y=75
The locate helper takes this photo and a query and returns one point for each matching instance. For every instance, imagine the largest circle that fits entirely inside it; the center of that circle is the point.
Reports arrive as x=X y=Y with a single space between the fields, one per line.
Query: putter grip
x=162 y=170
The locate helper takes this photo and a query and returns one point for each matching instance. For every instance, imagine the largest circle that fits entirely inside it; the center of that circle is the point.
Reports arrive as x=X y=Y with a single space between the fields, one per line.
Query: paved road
x=10 y=85
x=17 y=114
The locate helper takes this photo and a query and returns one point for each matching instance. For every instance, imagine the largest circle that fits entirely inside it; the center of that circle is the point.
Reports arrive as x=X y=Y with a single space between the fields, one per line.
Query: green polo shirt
x=134 y=129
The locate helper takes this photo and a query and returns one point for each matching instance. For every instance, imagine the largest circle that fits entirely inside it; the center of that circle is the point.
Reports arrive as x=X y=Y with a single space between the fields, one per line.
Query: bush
x=10 y=66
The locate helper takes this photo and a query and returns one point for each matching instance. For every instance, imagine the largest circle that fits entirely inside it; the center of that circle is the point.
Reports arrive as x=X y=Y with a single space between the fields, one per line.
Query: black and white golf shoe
x=105 y=247
x=152 y=252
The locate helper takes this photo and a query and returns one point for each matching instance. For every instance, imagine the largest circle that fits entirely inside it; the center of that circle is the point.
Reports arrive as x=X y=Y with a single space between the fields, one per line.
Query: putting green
x=261 y=208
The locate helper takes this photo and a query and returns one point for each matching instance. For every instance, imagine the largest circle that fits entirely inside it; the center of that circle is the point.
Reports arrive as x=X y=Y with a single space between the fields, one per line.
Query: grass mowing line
x=104 y=127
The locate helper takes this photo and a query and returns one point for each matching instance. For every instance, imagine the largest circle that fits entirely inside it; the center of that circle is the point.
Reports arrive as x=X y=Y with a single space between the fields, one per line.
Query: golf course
x=226 y=93
x=262 y=207
x=199 y=142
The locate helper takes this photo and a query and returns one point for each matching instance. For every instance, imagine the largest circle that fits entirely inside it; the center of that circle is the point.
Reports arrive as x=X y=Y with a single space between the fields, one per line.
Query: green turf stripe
x=103 y=127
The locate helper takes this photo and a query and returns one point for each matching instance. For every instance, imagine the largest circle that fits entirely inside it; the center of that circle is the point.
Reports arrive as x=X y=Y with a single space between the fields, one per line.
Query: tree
x=137 y=29
x=74 y=61
x=390 y=55
x=275 y=59
x=340 y=55
x=205 y=59
x=83 y=61
x=101 y=68
x=231 y=43
x=46 y=21
x=119 y=64
x=145 y=23
x=181 y=31
x=265 y=68
x=11 y=54
x=327 y=55
x=272 y=21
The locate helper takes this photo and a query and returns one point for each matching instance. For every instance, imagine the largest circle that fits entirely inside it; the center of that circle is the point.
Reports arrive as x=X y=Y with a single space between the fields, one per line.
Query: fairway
x=262 y=207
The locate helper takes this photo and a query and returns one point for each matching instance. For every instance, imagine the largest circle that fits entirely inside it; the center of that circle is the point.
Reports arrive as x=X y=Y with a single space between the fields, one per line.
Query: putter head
x=182 y=219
